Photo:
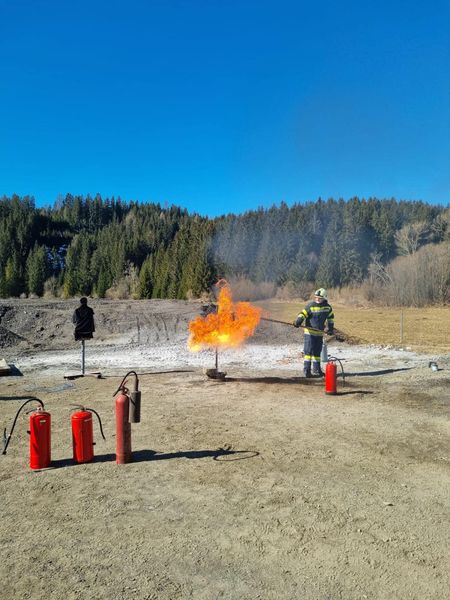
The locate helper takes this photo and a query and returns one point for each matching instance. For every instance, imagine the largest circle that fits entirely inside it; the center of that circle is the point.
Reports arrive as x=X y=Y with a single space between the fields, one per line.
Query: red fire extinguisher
x=330 y=378
x=123 y=428
x=128 y=410
x=40 y=435
x=331 y=375
x=82 y=434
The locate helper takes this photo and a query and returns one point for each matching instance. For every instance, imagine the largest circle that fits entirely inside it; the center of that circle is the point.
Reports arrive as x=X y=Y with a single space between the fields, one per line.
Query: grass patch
x=426 y=329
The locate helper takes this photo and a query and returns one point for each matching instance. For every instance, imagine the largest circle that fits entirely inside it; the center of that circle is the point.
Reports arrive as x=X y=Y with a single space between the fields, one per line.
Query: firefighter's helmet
x=322 y=293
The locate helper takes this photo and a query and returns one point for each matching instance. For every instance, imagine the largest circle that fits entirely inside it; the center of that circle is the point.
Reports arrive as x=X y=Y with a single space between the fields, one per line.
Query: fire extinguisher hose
x=99 y=420
x=122 y=383
x=7 y=438
x=342 y=368
x=80 y=407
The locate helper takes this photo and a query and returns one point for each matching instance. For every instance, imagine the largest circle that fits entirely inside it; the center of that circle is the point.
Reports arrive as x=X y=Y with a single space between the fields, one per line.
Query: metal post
x=217 y=359
x=401 y=326
x=82 y=356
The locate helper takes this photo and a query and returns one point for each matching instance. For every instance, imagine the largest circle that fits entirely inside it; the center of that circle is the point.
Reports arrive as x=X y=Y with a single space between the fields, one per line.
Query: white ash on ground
x=151 y=335
x=250 y=357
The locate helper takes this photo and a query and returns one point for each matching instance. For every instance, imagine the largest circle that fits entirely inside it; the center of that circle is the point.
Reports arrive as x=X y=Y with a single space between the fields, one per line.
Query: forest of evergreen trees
x=95 y=246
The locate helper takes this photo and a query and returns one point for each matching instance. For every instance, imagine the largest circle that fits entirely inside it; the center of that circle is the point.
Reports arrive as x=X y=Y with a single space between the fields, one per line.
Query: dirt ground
x=258 y=487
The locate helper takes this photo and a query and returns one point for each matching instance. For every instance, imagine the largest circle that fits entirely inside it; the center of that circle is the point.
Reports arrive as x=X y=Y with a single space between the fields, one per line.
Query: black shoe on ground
x=317 y=374
x=308 y=374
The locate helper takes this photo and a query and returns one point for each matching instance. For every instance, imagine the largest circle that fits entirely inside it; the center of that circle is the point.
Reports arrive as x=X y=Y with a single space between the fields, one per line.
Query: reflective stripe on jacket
x=315 y=315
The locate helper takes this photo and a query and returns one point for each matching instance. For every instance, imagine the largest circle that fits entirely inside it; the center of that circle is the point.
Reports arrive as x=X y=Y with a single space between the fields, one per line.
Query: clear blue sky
x=225 y=105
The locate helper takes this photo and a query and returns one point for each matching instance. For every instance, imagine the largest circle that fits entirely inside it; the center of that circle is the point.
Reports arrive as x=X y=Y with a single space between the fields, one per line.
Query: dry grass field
x=426 y=329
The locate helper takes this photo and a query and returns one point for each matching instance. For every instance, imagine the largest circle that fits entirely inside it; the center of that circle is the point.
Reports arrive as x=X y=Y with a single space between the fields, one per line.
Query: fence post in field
x=401 y=326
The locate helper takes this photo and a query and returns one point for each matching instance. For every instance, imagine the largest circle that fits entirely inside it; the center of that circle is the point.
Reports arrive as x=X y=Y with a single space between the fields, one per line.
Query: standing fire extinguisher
x=128 y=410
x=331 y=375
x=330 y=378
x=40 y=435
x=82 y=434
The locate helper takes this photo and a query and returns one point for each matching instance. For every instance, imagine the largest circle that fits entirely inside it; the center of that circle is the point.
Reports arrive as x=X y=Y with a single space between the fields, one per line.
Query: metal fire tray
x=215 y=374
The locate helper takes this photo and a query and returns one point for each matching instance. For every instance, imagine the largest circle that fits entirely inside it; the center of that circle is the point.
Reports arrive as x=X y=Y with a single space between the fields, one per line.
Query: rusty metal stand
x=215 y=373
x=83 y=373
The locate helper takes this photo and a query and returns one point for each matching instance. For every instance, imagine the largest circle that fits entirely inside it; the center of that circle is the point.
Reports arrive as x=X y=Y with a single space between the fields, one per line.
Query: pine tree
x=103 y=283
x=13 y=277
x=328 y=270
x=84 y=265
x=146 y=278
x=37 y=270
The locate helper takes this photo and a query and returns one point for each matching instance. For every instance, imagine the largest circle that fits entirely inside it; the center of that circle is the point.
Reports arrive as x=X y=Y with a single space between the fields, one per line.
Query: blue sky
x=224 y=106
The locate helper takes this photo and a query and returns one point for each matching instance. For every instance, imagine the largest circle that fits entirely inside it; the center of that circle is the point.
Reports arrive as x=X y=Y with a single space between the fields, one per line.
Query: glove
x=298 y=321
x=330 y=331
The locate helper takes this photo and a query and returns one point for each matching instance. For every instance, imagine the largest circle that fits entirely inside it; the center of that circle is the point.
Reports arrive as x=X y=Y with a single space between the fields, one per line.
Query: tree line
x=105 y=246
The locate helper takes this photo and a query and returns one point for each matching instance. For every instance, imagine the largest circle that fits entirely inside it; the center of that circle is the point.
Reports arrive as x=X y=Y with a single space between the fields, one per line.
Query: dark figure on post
x=315 y=314
x=83 y=319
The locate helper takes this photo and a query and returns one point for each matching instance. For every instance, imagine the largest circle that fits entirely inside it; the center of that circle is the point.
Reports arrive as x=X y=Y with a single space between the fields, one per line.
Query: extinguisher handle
x=122 y=389
x=122 y=383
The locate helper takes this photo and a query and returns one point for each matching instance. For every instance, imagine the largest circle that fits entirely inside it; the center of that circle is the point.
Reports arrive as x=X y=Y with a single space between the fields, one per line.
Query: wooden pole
x=336 y=331
x=277 y=321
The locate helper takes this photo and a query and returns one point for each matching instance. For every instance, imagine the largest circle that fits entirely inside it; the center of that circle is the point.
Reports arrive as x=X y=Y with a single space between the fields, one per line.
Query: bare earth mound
x=260 y=486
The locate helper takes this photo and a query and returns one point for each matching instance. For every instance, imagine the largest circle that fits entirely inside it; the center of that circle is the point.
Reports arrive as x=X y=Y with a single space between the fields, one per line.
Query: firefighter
x=83 y=319
x=315 y=314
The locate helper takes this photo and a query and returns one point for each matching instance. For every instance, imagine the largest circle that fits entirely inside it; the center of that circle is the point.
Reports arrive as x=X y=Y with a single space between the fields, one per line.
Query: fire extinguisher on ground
x=128 y=410
x=40 y=435
x=331 y=375
x=82 y=434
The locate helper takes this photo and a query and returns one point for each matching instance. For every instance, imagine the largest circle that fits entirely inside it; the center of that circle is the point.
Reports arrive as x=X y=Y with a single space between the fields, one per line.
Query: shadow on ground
x=375 y=373
x=26 y=397
x=346 y=393
x=269 y=380
x=13 y=371
x=151 y=373
x=220 y=455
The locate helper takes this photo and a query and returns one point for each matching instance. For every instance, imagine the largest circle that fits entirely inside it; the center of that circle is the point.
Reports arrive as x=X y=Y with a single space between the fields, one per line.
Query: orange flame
x=228 y=328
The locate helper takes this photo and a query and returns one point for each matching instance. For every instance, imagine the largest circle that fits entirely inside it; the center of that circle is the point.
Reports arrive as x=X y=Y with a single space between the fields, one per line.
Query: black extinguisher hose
x=99 y=420
x=7 y=438
x=81 y=407
x=342 y=368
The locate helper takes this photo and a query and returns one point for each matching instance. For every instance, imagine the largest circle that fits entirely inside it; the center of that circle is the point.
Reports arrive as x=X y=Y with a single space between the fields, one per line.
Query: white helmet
x=322 y=293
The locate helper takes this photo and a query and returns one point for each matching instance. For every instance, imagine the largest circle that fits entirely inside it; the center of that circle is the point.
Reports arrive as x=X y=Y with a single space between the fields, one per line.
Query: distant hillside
x=96 y=246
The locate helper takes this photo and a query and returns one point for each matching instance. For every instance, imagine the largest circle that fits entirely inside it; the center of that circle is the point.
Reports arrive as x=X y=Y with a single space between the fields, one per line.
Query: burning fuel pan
x=215 y=374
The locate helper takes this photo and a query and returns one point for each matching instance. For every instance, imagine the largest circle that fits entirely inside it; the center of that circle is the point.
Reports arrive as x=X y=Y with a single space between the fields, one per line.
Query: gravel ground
x=258 y=487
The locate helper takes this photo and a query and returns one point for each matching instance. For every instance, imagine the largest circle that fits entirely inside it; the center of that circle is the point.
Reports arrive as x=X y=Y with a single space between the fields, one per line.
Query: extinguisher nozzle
x=6 y=439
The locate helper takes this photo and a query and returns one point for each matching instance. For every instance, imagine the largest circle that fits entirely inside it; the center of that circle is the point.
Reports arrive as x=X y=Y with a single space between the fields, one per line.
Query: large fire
x=227 y=328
